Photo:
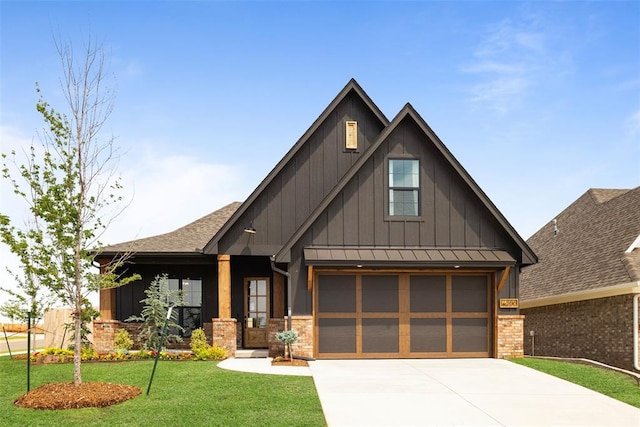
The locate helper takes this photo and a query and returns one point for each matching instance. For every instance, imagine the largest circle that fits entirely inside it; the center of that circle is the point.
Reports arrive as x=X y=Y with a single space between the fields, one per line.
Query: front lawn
x=614 y=384
x=183 y=393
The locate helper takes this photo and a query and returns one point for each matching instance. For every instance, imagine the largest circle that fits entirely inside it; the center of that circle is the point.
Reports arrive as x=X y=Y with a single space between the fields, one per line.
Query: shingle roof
x=588 y=252
x=188 y=239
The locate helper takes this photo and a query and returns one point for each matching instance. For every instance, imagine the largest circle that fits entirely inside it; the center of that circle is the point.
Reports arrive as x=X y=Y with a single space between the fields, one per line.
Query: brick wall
x=598 y=329
x=104 y=332
x=510 y=335
x=224 y=332
x=276 y=348
x=303 y=325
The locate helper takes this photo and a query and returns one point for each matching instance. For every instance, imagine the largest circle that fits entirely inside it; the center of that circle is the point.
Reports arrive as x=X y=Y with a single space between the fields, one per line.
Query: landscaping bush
x=202 y=350
x=122 y=341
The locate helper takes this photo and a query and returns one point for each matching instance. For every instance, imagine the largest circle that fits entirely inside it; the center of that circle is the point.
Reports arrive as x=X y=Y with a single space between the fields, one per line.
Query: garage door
x=402 y=315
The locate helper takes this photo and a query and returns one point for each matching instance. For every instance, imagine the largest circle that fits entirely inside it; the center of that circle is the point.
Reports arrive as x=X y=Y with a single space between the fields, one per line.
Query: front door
x=256 y=312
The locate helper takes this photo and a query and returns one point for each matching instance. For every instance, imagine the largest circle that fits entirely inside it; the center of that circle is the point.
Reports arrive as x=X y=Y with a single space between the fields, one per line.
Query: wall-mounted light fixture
x=250 y=229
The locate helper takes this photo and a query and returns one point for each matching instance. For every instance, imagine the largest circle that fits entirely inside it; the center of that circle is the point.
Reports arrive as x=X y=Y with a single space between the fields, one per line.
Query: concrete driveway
x=458 y=392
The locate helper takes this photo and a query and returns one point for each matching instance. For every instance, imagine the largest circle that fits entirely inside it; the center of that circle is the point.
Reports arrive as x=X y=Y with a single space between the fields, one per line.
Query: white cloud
x=507 y=63
x=165 y=192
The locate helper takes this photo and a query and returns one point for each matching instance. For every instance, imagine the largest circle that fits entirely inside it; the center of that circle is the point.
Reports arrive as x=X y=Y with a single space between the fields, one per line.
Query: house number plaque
x=509 y=303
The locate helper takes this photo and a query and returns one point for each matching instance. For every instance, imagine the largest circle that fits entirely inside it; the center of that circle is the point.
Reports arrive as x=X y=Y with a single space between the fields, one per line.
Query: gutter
x=288 y=276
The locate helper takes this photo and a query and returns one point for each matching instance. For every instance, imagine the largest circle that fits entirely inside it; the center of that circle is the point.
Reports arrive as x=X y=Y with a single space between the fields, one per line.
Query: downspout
x=636 y=365
x=288 y=276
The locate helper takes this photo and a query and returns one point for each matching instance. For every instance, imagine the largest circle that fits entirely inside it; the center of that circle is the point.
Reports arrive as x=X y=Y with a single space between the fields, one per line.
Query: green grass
x=182 y=393
x=614 y=384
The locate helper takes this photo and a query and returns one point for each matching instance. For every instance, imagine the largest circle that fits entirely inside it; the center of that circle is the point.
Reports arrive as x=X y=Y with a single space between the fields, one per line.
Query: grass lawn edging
x=590 y=362
x=610 y=382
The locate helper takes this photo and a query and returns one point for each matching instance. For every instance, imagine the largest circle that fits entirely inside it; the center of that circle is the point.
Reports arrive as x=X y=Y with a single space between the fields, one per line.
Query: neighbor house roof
x=190 y=238
x=593 y=244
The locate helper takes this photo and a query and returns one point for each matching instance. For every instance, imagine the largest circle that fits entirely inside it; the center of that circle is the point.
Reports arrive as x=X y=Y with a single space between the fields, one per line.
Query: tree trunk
x=77 y=351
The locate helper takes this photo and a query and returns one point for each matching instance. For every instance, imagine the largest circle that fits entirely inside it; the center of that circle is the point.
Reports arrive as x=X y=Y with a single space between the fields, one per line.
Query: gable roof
x=188 y=239
x=352 y=86
x=593 y=247
x=528 y=256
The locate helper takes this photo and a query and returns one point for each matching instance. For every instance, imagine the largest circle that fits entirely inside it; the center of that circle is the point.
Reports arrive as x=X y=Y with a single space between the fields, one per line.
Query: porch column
x=108 y=304
x=223 y=326
x=224 y=286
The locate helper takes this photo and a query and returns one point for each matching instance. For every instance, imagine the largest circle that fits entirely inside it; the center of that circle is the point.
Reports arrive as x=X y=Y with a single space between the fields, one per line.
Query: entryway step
x=245 y=353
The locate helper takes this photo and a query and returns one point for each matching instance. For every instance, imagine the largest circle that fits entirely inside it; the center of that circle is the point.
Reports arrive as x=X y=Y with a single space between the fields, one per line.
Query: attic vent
x=351 y=136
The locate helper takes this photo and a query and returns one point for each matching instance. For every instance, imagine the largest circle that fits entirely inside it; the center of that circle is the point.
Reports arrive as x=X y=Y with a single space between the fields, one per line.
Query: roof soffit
x=352 y=86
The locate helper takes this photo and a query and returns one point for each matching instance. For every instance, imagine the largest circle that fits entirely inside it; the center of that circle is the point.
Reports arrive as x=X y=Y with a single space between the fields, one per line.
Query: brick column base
x=276 y=348
x=510 y=336
x=104 y=332
x=303 y=325
x=224 y=335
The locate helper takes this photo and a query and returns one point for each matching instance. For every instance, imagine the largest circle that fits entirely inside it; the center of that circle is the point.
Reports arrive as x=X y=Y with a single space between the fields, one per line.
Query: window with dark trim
x=189 y=314
x=404 y=187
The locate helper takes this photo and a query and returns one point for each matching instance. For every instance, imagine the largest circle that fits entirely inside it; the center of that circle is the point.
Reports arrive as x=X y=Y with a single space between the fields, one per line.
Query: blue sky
x=539 y=101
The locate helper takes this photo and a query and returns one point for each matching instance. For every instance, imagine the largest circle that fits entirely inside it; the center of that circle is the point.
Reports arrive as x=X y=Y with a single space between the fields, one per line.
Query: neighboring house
x=578 y=300
x=368 y=238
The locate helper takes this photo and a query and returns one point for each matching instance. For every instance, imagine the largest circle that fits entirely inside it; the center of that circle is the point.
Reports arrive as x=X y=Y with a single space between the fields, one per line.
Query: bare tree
x=71 y=188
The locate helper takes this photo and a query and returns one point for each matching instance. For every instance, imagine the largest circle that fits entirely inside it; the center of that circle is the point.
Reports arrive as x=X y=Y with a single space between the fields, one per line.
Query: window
x=404 y=187
x=189 y=315
x=257 y=305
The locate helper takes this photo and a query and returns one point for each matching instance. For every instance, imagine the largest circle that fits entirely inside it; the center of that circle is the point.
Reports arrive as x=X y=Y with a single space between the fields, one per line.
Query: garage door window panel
x=379 y=294
x=337 y=335
x=338 y=294
x=380 y=335
x=428 y=294
x=428 y=335
x=469 y=294
x=470 y=335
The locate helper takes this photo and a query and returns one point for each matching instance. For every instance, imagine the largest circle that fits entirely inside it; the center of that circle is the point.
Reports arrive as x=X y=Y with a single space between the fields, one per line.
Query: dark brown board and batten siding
x=306 y=180
x=451 y=215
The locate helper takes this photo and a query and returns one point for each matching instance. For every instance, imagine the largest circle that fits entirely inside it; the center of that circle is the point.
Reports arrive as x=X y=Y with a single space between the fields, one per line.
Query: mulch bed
x=285 y=361
x=68 y=396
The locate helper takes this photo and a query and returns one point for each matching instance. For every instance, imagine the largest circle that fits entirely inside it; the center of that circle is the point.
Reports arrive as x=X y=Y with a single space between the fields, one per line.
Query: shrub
x=288 y=338
x=56 y=351
x=202 y=350
x=88 y=353
x=122 y=340
x=154 y=313
x=198 y=339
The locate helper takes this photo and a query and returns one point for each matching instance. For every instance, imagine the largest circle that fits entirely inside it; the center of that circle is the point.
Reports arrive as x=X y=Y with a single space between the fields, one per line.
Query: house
x=368 y=238
x=579 y=299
